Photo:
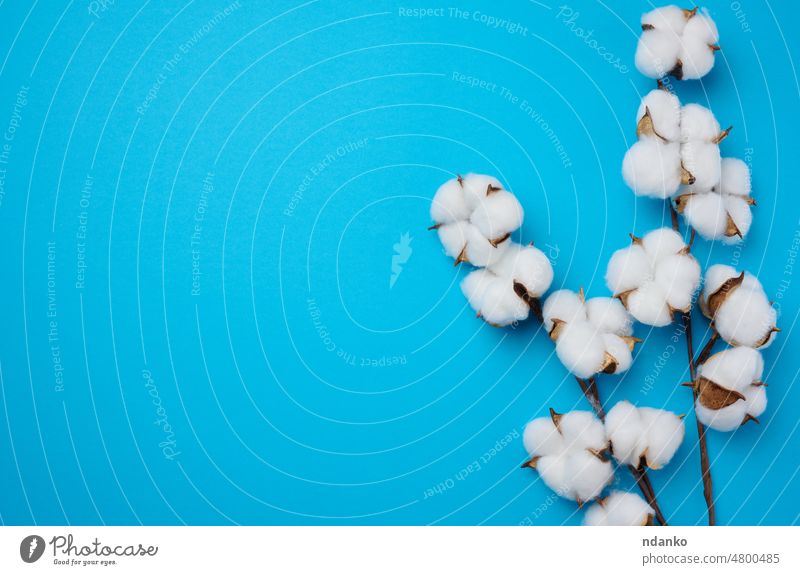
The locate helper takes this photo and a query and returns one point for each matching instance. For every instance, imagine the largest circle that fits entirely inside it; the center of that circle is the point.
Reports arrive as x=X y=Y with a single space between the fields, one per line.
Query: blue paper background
x=282 y=151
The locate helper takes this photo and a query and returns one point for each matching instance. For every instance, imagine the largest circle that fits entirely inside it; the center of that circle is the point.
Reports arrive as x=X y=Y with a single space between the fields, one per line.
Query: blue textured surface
x=198 y=214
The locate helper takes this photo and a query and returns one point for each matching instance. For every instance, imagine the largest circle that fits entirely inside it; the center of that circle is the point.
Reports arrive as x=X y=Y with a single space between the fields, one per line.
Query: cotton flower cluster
x=643 y=434
x=654 y=277
x=506 y=290
x=677 y=145
x=568 y=452
x=678 y=42
x=620 y=508
x=729 y=389
x=591 y=336
x=722 y=211
x=475 y=216
x=738 y=307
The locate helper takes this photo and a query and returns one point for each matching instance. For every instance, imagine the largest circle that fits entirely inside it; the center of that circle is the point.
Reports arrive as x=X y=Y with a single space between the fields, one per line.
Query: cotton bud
x=654 y=277
x=509 y=288
x=568 y=452
x=620 y=508
x=475 y=217
x=677 y=42
x=738 y=307
x=643 y=434
x=729 y=389
x=723 y=211
x=592 y=336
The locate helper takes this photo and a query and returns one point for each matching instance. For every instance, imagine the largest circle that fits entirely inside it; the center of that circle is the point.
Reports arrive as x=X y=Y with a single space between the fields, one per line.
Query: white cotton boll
x=627 y=269
x=739 y=211
x=657 y=53
x=497 y=214
x=449 y=204
x=725 y=419
x=588 y=475
x=745 y=318
x=581 y=349
x=669 y=18
x=707 y=214
x=664 y=431
x=620 y=509
x=475 y=187
x=493 y=297
x=454 y=237
x=703 y=162
x=716 y=276
x=479 y=251
x=701 y=27
x=648 y=305
x=526 y=265
x=652 y=167
x=661 y=243
x=542 y=438
x=624 y=431
x=734 y=177
x=734 y=368
x=564 y=305
x=697 y=58
x=609 y=316
x=756 y=400
x=582 y=430
x=698 y=123
x=679 y=277
x=665 y=112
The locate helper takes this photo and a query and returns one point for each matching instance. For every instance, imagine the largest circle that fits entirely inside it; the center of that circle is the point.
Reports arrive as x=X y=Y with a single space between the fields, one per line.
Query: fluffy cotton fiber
x=620 y=508
x=474 y=216
x=722 y=211
x=738 y=307
x=729 y=387
x=592 y=335
x=654 y=277
x=678 y=42
x=567 y=450
x=503 y=292
x=676 y=146
x=643 y=433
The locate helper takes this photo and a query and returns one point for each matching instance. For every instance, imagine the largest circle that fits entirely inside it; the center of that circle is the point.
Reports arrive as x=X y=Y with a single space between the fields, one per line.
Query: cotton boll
x=497 y=214
x=697 y=58
x=746 y=318
x=756 y=399
x=476 y=187
x=553 y=471
x=493 y=297
x=541 y=437
x=662 y=243
x=725 y=419
x=479 y=251
x=581 y=349
x=734 y=177
x=739 y=212
x=454 y=237
x=449 y=204
x=582 y=430
x=624 y=432
x=648 y=305
x=716 y=276
x=702 y=160
x=664 y=110
x=652 y=168
x=735 y=368
x=609 y=316
x=565 y=305
x=526 y=265
x=620 y=509
x=664 y=431
x=657 y=53
x=669 y=18
x=679 y=277
x=627 y=269
x=698 y=123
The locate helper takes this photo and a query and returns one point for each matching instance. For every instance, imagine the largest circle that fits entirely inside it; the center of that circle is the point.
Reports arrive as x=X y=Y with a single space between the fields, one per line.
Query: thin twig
x=705 y=465
x=706 y=351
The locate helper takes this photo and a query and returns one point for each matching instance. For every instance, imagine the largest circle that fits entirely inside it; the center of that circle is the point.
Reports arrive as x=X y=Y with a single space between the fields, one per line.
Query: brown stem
x=705 y=465
x=706 y=351
x=674 y=215
x=592 y=393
